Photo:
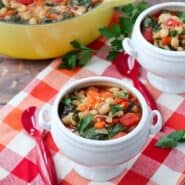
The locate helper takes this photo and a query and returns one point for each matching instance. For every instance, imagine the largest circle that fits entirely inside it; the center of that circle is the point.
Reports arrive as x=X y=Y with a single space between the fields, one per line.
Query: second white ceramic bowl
x=165 y=69
x=93 y=159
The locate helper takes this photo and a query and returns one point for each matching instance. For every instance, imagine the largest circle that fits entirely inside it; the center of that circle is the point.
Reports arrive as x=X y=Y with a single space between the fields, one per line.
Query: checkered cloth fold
x=18 y=153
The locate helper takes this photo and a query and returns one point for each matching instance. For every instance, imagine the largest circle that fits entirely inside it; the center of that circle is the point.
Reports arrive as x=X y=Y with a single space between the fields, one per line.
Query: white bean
x=21 y=8
x=109 y=100
x=104 y=109
x=164 y=32
x=25 y=15
x=114 y=89
x=67 y=119
x=33 y=20
x=174 y=42
x=83 y=114
x=119 y=113
x=2 y=11
x=93 y=112
x=180 y=49
x=163 y=17
x=156 y=35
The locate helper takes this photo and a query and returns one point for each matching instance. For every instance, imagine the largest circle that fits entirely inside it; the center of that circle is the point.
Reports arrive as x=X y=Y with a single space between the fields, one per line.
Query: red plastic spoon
x=131 y=69
x=46 y=163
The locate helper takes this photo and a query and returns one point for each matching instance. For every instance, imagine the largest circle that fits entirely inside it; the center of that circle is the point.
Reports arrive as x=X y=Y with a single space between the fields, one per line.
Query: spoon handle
x=47 y=163
x=149 y=99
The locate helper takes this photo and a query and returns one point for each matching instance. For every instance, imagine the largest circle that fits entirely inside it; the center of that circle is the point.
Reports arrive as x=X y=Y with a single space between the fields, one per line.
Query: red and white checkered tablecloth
x=18 y=153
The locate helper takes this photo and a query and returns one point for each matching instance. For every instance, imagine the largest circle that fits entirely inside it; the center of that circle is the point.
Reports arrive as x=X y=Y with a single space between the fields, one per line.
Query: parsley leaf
x=126 y=26
x=76 y=44
x=128 y=10
x=116 y=44
x=84 y=57
x=78 y=57
x=166 y=142
x=113 y=31
x=70 y=60
x=112 y=55
x=178 y=135
x=116 y=33
x=115 y=109
x=171 y=140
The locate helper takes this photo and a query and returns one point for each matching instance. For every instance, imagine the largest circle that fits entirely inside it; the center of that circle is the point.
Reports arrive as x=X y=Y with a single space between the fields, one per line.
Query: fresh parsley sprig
x=115 y=33
x=79 y=57
x=171 y=140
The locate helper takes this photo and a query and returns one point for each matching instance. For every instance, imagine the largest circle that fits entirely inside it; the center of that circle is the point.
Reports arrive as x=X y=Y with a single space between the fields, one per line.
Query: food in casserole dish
x=100 y=112
x=43 y=11
x=165 y=29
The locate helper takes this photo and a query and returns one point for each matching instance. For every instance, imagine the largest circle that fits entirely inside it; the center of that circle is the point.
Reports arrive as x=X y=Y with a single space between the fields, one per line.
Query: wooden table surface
x=16 y=74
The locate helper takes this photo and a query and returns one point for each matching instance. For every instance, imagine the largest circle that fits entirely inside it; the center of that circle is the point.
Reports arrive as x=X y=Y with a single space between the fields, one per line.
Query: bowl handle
x=127 y=46
x=44 y=117
x=158 y=125
x=114 y=3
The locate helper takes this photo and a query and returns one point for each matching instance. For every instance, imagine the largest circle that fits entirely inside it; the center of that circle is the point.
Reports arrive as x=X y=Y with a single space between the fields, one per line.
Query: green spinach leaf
x=115 y=109
x=115 y=129
x=84 y=123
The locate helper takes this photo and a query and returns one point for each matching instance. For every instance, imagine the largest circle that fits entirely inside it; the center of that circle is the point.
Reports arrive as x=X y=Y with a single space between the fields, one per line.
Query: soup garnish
x=100 y=112
x=43 y=11
x=165 y=29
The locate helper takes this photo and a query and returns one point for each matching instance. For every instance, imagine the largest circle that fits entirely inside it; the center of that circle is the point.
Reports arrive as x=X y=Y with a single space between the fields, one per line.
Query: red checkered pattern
x=18 y=154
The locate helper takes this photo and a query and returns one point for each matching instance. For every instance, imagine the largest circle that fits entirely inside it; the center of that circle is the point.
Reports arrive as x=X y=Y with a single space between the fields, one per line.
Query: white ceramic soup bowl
x=93 y=159
x=165 y=69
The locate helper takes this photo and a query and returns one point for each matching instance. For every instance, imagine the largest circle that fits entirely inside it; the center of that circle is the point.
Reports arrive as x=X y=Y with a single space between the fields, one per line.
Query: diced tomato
x=118 y=100
x=120 y=134
x=130 y=119
x=116 y=120
x=172 y=22
x=166 y=40
x=124 y=104
x=148 y=35
x=25 y=2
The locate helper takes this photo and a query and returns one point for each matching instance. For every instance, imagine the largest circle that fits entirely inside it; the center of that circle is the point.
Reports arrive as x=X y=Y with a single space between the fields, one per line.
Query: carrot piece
x=91 y=100
x=118 y=100
x=82 y=107
x=39 y=2
x=99 y=124
x=92 y=92
x=52 y=16
x=130 y=119
x=9 y=12
x=120 y=134
x=105 y=94
x=166 y=40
